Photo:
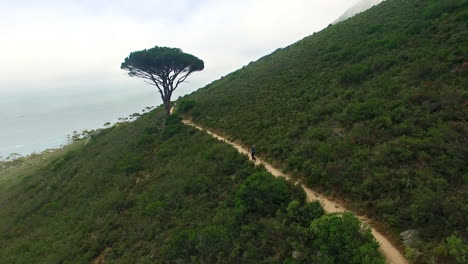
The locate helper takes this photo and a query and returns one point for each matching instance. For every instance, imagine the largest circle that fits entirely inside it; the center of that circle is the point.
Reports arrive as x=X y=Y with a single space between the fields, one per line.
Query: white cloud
x=55 y=44
x=60 y=59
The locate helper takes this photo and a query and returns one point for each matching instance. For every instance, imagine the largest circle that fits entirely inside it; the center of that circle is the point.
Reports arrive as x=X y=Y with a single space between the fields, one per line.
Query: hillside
x=372 y=110
x=156 y=191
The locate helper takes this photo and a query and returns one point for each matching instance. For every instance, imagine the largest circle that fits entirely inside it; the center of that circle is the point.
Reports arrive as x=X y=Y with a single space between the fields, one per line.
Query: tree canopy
x=164 y=67
x=341 y=238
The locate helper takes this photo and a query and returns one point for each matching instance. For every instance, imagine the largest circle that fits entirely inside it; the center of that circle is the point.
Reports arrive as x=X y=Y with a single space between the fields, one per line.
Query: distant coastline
x=31 y=126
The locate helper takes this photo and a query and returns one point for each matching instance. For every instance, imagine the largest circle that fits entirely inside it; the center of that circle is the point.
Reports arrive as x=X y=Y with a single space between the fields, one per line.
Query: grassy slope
x=12 y=172
x=373 y=108
x=141 y=193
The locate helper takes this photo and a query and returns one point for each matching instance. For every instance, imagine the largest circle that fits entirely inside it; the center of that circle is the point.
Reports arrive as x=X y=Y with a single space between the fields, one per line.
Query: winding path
x=391 y=253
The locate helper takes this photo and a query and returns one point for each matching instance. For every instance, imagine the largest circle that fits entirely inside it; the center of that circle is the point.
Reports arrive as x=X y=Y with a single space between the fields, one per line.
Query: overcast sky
x=60 y=59
x=78 y=45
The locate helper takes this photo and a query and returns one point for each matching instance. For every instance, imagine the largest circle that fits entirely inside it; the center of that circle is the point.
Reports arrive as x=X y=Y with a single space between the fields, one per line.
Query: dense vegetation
x=372 y=109
x=156 y=191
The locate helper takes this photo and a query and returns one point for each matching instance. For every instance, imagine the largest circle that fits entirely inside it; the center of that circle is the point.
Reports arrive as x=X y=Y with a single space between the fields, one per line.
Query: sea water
x=35 y=121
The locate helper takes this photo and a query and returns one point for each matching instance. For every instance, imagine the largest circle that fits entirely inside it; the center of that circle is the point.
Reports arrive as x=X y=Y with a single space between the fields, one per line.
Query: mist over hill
x=359 y=7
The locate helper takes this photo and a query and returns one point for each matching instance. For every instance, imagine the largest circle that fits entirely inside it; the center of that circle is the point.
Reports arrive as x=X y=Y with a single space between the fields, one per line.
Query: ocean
x=31 y=122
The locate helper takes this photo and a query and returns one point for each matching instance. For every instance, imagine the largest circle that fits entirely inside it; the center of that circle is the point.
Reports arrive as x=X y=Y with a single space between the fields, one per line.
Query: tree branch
x=182 y=79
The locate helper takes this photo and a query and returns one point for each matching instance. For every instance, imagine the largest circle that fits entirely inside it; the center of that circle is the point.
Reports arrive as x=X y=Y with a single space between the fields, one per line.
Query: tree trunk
x=167 y=105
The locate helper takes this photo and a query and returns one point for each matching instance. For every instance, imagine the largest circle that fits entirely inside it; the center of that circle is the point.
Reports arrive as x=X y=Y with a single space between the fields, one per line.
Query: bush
x=185 y=105
x=411 y=254
x=207 y=245
x=457 y=249
x=417 y=27
x=212 y=243
x=131 y=163
x=50 y=208
x=382 y=122
x=146 y=141
x=172 y=127
x=264 y=194
x=155 y=208
x=70 y=155
x=303 y=215
x=341 y=239
x=181 y=245
x=366 y=110
x=355 y=74
x=151 y=130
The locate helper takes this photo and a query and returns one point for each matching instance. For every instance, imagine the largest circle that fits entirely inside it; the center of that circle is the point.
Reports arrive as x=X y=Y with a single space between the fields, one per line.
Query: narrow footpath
x=391 y=253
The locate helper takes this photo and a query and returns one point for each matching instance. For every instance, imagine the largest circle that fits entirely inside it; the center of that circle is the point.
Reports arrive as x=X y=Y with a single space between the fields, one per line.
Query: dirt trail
x=391 y=253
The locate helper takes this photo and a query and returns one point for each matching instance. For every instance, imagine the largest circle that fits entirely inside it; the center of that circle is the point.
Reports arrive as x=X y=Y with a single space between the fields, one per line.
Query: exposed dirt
x=391 y=253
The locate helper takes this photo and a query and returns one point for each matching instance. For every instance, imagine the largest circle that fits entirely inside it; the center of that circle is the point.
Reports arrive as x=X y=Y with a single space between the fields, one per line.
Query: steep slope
x=390 y=252
x=156 y=191
x=372 y=109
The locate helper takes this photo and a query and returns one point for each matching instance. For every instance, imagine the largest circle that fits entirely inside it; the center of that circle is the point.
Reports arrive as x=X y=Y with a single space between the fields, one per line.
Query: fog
x=60 y=67
x=357 y=8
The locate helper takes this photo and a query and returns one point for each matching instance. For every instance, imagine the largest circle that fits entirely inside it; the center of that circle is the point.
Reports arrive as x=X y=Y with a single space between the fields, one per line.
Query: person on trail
x=252 y=151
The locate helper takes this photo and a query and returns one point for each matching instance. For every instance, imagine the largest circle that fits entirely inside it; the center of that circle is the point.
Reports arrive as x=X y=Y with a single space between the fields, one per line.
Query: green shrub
x=213 y=242
x=207 y=245
x=131 y=163
x=382 y=122
x=146 y=141
x=340 y=238
x=181 y=245
x=366 y=110
x=303 y=214
x=417 y=27
x=155 y=208
x=70 y=154
x=355 y=74
x=172 y=127
x=264 y=194
x=49 y=209
x=411 y=254
x=185 y=105
x=151 y=130
x=457 y=249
